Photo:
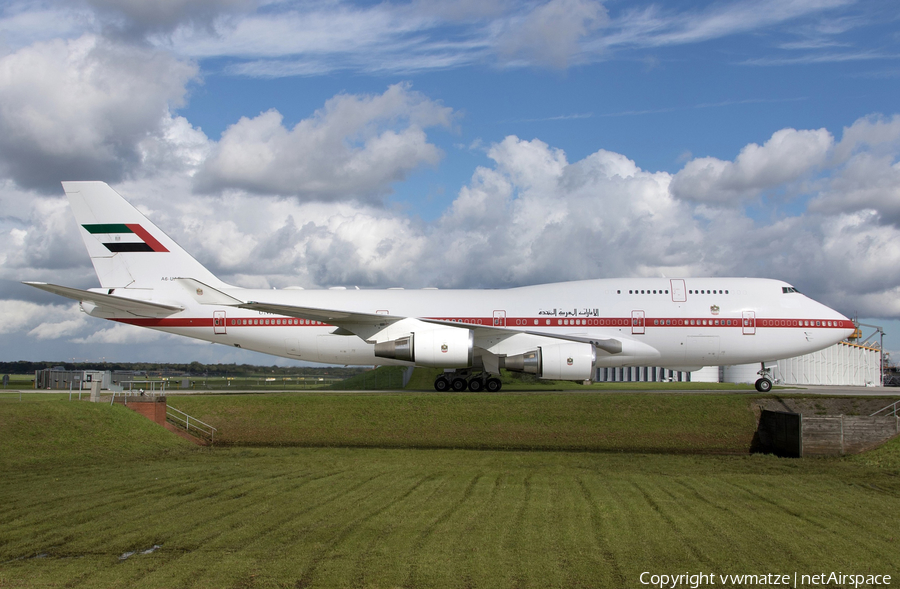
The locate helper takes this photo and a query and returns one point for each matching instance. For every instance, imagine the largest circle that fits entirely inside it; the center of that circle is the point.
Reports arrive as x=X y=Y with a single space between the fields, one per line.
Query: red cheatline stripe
x=514 y=322
x=148 y=239
x=198 y=322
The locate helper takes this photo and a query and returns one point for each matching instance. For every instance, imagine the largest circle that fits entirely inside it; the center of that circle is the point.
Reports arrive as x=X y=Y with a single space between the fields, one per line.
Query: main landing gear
x=765 y=382
x=460 y=380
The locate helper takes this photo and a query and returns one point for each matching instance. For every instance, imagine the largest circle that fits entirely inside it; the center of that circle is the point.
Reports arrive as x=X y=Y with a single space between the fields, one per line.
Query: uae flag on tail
x=122 y=237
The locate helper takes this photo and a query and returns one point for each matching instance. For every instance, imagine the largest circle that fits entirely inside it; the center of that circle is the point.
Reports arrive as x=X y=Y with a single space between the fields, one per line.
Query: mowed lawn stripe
x=717 y=514
x=322 y=535
x=819 y=516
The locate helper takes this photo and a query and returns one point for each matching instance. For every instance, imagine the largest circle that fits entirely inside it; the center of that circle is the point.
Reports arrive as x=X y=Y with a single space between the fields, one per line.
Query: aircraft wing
x=373 y=325
x=611 y=345
x=207 y=295
x=364 y=324
x=133 y=306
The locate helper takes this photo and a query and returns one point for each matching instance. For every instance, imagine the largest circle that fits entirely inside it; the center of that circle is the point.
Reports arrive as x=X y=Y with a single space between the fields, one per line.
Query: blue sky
x=456 y=144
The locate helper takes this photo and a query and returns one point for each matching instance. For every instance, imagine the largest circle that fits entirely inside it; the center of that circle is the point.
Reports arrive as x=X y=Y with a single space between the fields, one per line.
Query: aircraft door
x=637 y=322
x=679 y=294
x=499 y=318
x=219 y=322
x=749 y=322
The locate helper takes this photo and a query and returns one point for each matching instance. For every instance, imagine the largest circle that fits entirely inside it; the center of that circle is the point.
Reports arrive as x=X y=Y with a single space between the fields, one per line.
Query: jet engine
x=438 y=347
x=566 y=361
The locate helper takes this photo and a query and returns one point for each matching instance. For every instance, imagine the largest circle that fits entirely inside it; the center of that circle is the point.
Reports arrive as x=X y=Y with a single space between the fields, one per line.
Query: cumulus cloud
x=543 y=219
x=866 y=173
x=355 y=146
x=866 y=182
x=316 y=244
x=45 y=241
x=876 y=133
x=120 y=333
x=787 y=156
x=82 y=109
x=40 y=321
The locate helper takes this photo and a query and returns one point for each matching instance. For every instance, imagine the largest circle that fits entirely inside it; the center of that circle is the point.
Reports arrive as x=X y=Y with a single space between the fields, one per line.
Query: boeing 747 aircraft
x=556 y=331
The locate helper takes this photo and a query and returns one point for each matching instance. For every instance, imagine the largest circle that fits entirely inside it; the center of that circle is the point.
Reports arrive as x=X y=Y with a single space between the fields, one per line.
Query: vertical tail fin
x=128 y=250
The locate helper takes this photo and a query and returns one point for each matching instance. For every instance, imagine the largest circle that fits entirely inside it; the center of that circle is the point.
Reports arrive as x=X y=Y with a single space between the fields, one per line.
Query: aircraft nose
x=846 y=326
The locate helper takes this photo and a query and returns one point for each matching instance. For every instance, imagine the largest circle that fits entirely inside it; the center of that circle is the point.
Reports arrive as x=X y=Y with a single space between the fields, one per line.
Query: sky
x=450 y=143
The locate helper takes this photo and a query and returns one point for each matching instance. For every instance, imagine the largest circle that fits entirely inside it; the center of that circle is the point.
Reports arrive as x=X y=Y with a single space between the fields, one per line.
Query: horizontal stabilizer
x=133 y=306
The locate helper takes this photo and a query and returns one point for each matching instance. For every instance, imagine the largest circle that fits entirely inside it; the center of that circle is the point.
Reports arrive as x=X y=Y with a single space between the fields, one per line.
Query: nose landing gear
x=765 y=382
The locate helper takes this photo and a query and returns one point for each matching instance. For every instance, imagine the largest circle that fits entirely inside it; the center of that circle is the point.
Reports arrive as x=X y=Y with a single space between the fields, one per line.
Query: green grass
x=416 y=518
x=554 y=421
x=46 y=428
x=382 y=378
x=16 y=382
x=103 y=485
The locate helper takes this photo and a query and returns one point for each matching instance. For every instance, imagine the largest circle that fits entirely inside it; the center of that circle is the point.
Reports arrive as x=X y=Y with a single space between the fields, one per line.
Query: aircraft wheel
x=493 y=385
x=441 y=384
x=459 y=384
x=764 y=385
x=476 y=384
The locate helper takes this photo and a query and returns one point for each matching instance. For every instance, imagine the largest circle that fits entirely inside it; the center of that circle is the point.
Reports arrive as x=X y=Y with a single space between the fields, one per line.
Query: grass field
x=103 y=498
x=546 y=421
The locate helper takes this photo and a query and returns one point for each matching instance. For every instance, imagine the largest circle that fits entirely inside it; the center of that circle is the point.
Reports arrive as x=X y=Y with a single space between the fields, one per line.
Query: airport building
x=60 y=378
x=843 y=364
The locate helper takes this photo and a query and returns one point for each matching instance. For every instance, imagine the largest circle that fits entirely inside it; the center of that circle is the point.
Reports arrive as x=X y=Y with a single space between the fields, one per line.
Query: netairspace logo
x=696 y=580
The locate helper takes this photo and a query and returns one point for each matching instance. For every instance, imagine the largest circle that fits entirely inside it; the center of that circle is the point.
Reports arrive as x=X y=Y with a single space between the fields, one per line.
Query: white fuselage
x=676 y=323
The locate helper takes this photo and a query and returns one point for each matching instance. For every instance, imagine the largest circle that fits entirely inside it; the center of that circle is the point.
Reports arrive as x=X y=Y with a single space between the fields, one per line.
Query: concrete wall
x=843 y=434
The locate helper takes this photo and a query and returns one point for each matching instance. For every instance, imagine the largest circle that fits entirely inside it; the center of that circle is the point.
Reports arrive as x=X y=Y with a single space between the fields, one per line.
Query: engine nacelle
x=569 y=361
x=439 y=347
x=566 y=361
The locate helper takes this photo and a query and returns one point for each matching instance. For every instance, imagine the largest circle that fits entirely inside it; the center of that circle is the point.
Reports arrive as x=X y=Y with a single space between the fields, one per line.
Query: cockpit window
x=789 y=289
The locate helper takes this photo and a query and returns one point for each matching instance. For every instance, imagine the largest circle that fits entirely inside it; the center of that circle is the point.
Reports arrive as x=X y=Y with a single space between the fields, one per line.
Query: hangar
x=853 y=362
